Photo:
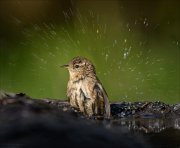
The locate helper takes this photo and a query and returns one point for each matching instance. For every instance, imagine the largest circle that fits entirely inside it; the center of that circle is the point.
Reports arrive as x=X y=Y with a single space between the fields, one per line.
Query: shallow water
x=150 y=125
x=156 y=133
x=153 y=131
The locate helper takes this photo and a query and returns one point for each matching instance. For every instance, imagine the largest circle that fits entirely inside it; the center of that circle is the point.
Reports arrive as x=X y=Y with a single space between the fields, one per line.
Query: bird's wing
x=105 y=99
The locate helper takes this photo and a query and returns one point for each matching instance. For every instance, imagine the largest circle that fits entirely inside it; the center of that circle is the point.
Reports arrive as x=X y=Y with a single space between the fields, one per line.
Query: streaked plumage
x=84 y=91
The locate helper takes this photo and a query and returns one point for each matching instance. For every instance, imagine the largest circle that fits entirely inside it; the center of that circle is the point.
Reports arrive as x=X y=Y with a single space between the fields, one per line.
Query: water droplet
x=106 y=57
x=125 y=55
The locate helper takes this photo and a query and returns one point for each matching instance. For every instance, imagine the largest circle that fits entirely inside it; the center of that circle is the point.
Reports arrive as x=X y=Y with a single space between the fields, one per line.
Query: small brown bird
x=84 y=91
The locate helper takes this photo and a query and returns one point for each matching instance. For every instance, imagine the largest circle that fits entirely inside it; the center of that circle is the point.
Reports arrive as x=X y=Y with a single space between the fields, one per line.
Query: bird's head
x=79 y=68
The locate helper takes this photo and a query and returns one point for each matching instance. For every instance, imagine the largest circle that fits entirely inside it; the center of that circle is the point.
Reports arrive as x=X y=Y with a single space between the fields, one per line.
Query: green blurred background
x=134 y=45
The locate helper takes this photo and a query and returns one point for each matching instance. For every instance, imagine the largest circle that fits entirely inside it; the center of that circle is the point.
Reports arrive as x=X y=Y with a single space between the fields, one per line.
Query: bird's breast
x=80 y=87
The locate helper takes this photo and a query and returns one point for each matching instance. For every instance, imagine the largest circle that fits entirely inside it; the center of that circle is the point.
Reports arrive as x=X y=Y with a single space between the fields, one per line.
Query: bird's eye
x=76 y=66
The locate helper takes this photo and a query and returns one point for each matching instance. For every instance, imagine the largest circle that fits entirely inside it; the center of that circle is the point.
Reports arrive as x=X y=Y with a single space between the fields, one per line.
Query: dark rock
x=28 y=122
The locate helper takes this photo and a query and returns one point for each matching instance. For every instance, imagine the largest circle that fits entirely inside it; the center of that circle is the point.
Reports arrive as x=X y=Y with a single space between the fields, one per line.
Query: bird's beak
x=64 y=66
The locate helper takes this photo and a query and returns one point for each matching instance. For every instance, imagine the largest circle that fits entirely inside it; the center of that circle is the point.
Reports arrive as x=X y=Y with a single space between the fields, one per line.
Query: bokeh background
x=134 y=45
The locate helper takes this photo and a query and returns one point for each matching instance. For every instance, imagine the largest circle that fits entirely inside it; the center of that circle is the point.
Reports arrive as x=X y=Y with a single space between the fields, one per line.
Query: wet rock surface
x=26 y=122
x=145 y=110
